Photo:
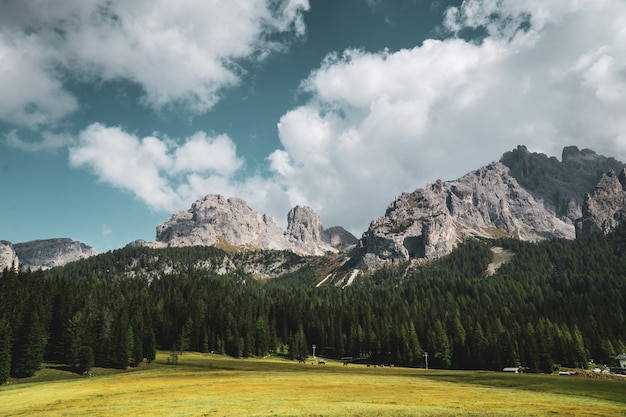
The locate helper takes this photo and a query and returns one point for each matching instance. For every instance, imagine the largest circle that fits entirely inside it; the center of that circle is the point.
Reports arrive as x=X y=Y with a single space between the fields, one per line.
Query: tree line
x=557 y=302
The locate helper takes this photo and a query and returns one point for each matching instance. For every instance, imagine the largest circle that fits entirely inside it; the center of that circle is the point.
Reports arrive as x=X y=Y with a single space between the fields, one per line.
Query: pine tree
x=149 y=345
x=29 y=346
x=5 y=350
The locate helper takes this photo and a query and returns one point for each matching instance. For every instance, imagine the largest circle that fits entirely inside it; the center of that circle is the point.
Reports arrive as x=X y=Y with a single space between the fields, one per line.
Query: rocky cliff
x=525 y=195
x=560 y=185
x=604 y=208
x=8 y=257
x=230 y=223
x=49 y=253
x=428 y=222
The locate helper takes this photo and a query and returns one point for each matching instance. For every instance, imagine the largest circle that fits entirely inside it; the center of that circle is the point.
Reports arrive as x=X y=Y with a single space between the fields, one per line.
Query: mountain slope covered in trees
x=553 y=302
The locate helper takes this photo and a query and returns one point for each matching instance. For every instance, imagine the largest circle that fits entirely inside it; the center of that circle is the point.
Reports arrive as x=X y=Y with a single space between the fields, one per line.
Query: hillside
x=553 y=302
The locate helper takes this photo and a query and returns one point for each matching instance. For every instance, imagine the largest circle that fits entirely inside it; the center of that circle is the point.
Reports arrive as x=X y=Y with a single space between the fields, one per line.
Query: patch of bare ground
x=500 y=257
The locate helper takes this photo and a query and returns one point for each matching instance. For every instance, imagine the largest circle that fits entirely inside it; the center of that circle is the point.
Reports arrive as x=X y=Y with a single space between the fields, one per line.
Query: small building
x=517 y=369
x=621 y=358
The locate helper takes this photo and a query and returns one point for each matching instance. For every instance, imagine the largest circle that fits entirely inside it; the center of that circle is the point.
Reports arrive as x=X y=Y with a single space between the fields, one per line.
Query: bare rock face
x=339 y=238
x=305 y=231
x=304 y=225
x=427 y=223
x=217 y=221
x=560 y=185
x=49 y=253
x=8 y=257
x=605 y=208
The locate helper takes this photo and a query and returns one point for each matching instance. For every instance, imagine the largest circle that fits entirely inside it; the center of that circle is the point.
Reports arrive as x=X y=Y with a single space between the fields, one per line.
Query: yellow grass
x=213 y=385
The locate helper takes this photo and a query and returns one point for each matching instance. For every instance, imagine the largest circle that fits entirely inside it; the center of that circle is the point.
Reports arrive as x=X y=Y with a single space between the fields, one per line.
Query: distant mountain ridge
x=43 y=254
x=560 y=185
x=524 y=195
x=528 y=196
x=229 y=222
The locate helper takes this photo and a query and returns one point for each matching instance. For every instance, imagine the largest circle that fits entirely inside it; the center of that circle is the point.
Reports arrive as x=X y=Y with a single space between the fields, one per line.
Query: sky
x=114 y=114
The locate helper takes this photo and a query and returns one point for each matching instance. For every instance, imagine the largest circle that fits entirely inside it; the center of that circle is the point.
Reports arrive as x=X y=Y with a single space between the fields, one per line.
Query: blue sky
x=115 y=114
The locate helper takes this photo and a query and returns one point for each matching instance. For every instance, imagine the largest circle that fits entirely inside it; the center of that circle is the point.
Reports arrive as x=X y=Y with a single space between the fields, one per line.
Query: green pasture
x=214 y=385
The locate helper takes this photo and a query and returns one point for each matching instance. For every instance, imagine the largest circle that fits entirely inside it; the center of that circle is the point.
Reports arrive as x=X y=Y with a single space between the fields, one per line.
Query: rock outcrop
x=215 y=220
x=305 y=230
x=339 y=238
x=8 y=257
x=427 y=223
x=605 y=208
x=560 y=185
x=230 y=223
x=48 y=253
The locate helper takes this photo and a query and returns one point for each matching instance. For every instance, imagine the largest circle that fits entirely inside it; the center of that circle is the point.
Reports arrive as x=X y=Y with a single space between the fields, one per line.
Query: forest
x=553 y=303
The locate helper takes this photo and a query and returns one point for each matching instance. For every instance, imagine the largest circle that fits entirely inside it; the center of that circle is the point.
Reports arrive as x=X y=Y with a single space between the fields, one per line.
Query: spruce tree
x=5 y=350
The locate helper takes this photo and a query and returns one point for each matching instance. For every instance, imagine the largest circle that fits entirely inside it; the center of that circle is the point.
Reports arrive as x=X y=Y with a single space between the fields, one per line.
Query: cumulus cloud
x=32 y=93
x=151 y=168
x=46 y=141
x=543 y=74
x=182 y=53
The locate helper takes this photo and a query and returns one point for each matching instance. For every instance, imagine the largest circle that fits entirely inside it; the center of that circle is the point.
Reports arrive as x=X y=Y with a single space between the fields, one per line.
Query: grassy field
x=213 y=385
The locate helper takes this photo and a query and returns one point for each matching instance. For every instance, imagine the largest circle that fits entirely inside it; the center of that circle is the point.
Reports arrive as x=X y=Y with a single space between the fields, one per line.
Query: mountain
x=231 y=224
x=605 y=208
x=560 y=185
x=49 y=253
x=8 y=257
x=528 y=196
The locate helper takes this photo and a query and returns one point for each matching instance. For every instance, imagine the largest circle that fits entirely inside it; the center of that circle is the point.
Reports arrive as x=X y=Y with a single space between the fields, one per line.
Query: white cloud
x=32 y=93
x=125 y=161
x=46 y=141
x=182 y=53
x=151 y=168
x=203 y=153
x=546 y=74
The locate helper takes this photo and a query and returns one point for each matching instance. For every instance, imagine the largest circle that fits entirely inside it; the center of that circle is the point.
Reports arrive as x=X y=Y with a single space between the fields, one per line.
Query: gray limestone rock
x=8 y=257
x=48 y=253
x=605 y=208
x=559 y=185
x=339 y=238
x=215 y=220
x=427 y=223
x=218 y=221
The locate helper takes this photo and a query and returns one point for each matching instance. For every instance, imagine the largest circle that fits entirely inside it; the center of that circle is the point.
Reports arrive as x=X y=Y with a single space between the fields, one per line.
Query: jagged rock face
x=339 y=238
x=304 y=225
x=49 y=253
x=561 y=186
x=8 y=257
x=215 y=220
x=605 y=208
x=428 y=222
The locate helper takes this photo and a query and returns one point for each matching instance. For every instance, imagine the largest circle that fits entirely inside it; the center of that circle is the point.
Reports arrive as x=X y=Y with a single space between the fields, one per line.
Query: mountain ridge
x=525 y=195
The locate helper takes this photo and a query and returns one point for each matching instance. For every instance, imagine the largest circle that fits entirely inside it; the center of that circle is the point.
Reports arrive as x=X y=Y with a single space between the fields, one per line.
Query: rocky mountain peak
x=605 y=208
x=216 y=220
x=428 y=222
x=559 y=185
x=48 y=253
x=8 y=257
x=304 y=224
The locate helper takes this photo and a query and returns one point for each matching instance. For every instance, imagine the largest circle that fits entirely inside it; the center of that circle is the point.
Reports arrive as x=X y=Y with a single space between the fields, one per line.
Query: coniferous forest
x=556 y=302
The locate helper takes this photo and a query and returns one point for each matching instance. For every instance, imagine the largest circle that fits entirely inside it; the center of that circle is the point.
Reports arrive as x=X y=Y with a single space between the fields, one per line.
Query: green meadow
x=215 y=385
